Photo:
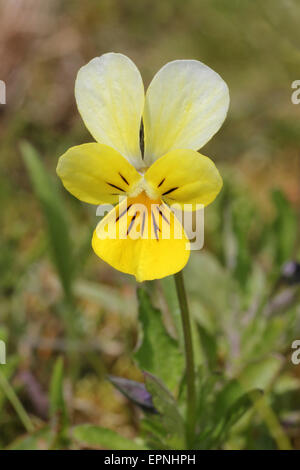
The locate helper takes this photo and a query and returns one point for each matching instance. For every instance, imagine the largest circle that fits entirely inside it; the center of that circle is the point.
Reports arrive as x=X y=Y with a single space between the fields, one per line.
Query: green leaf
x=158 y=353
x=3 y=333
x=169 y=415
x=284 y=228
x=105 y=438
x=52 y=206
x=232 y=414
x=261 y=374
x=39 y=440
x=57 y=402
x=169 y=291
x=258 y=375
x=231 y=392
x=241 y=406
x=8 y=370
x=241 y=224
x=209 y=347
x=210 y=285
x=107 y=297
x=287 y=383
x=274 y=329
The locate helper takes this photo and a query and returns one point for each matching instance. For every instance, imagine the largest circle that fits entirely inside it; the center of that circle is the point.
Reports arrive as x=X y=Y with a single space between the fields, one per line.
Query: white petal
x=110 y=97
x=186 y=104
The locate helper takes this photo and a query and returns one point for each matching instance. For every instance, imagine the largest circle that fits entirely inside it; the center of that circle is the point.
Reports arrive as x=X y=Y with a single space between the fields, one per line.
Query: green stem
x=15 y=402
x=189 y=359
x=273 y=424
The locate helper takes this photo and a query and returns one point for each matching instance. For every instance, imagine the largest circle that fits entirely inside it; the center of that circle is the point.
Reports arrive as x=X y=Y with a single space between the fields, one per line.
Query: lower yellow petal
x=96 y=173
x=184 y=177
x=143 y=238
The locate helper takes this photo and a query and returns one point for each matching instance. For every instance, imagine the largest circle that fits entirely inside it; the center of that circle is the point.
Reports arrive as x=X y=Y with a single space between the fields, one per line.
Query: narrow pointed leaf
x=51 y=203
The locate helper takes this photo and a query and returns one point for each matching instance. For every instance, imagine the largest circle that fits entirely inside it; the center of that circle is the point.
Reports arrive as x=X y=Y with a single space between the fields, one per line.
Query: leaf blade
x=58 y=232
x=103 y=437
x=159 y=353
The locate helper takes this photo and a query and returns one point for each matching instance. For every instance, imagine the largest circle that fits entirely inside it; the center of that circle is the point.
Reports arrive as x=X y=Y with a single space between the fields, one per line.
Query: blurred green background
x=58 y=298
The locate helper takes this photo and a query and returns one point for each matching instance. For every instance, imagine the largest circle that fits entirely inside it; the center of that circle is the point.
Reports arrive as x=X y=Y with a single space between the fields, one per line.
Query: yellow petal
x=110 y=97
x=142 y=239
x=96 y=173
x=186 y=104
x=184 y=177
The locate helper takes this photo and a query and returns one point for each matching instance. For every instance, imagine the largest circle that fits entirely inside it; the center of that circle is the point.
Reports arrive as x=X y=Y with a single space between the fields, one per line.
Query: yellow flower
x=185 y=105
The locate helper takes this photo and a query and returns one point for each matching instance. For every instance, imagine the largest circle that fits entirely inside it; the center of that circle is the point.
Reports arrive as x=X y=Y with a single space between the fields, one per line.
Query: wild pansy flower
x=185 y=105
